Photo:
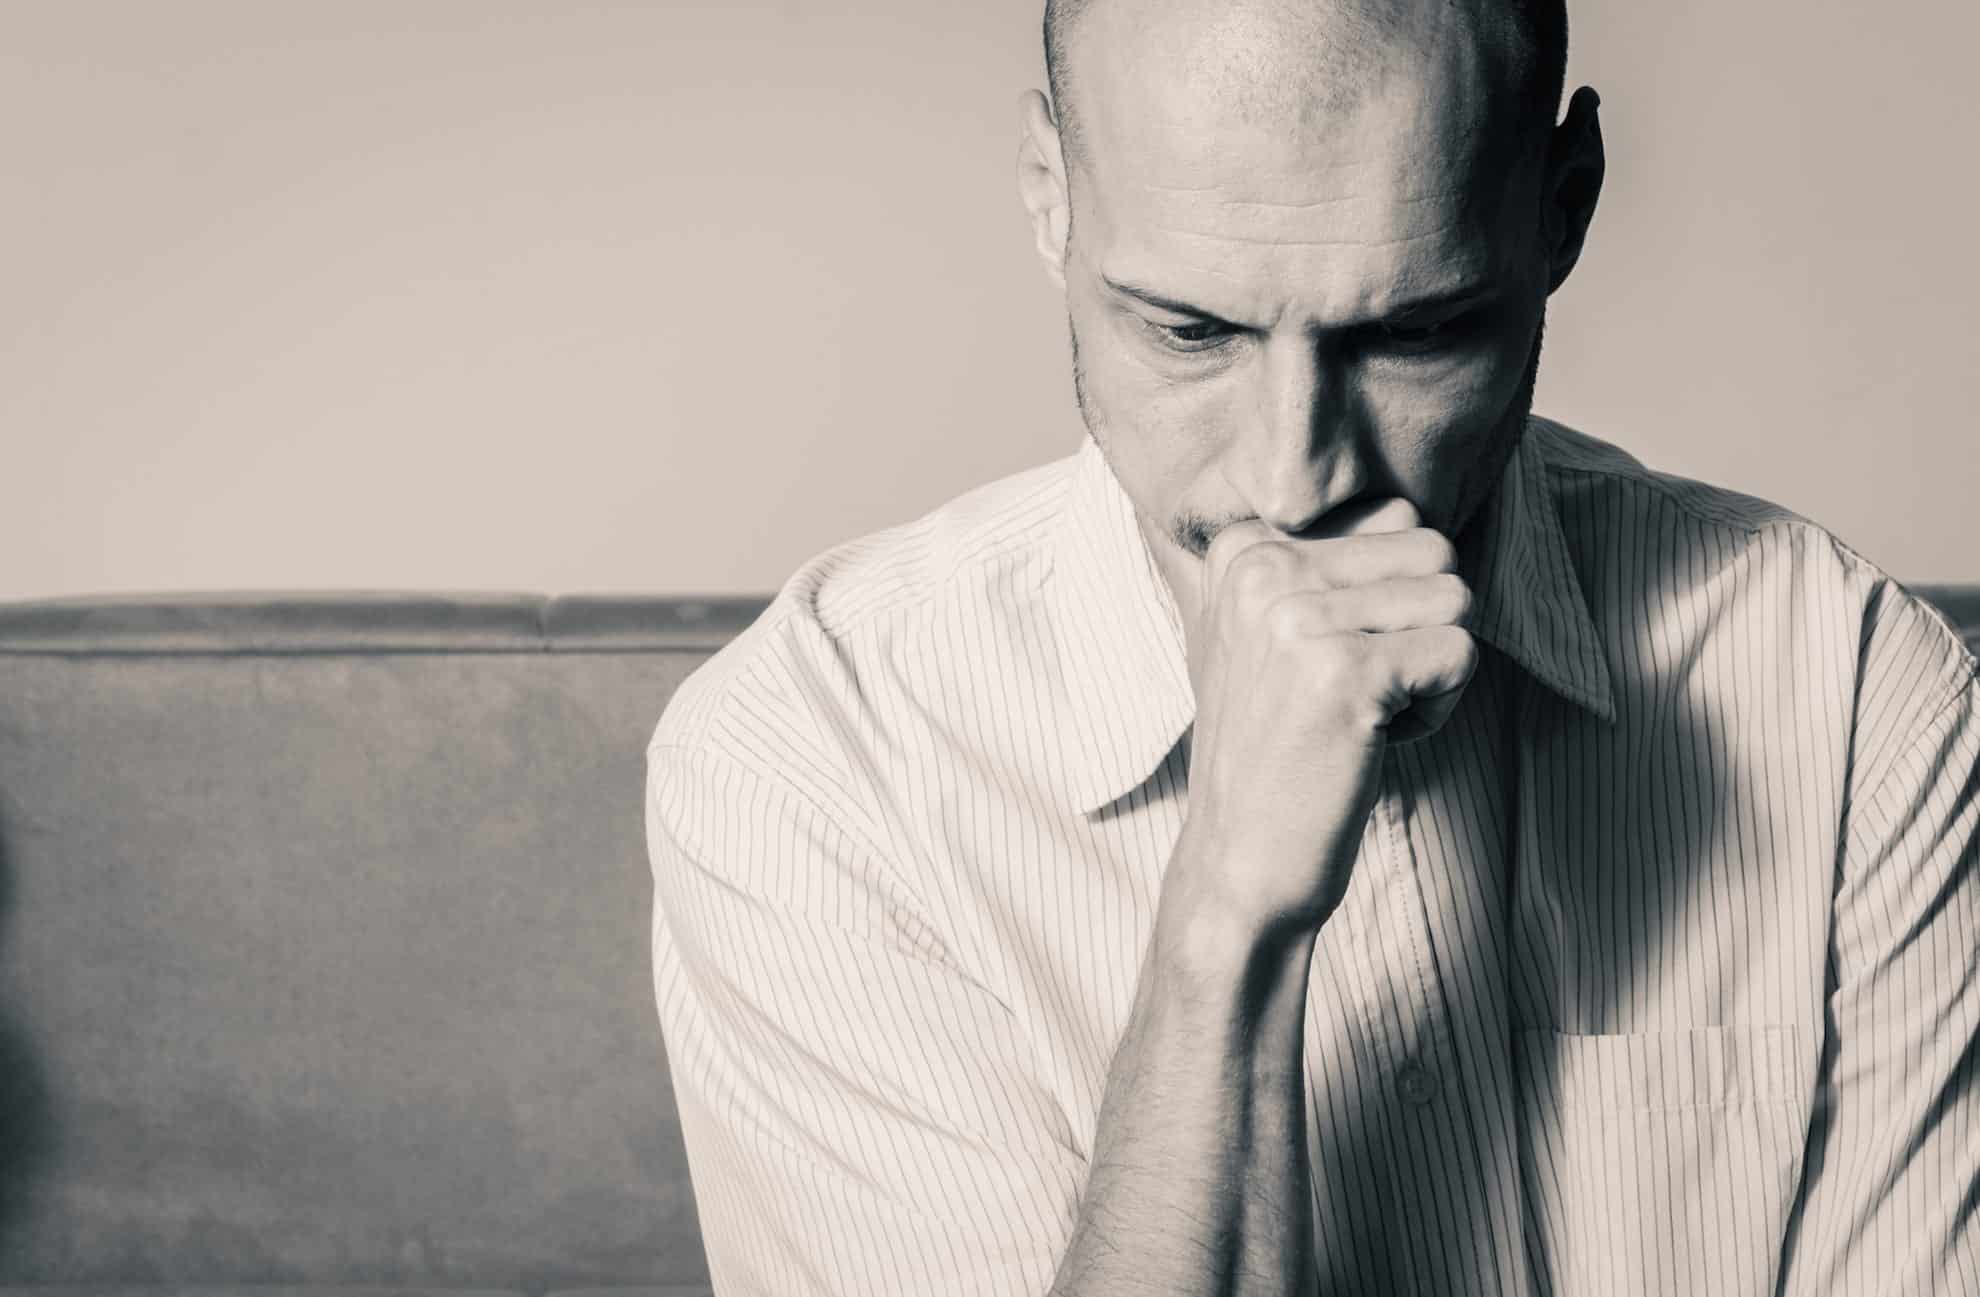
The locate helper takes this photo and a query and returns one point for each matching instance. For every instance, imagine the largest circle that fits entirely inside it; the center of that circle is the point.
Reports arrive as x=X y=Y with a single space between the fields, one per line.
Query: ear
x=1573 y=184
x=1041 y=176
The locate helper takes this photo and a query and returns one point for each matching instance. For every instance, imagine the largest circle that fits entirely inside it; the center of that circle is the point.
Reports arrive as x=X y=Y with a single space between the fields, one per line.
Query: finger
x=1226 y=545
x=1424 y=717
x=1439 y=599
x=1367 y=516
x=1355 y=563
x=1425 y=670
x=1363 y=559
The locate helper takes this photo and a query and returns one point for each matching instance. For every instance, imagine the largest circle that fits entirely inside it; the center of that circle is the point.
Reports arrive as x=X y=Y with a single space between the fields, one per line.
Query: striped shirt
x=1659 y=971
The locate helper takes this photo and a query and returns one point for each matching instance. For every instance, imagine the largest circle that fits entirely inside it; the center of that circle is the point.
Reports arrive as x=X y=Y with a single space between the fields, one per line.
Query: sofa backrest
x=324 y=945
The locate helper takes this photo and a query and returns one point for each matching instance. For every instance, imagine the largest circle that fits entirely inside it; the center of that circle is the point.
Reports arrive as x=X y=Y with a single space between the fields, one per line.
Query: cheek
x=1435 y=426
x=1158 y=402
x=1160 y=433
x=1451 y=401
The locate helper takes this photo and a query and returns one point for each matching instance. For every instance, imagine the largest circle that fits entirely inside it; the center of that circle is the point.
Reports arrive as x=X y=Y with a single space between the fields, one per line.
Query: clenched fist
x=1310 y=656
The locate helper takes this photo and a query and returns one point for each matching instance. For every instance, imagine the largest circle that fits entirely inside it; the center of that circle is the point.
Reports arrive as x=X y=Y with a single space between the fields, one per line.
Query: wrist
x=1208 y=940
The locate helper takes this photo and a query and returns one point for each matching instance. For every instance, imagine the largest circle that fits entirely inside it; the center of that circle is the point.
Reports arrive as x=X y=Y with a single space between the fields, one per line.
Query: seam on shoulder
x=1579 y=459
x=1880 y=581
x=902 y=896
x=1770 y=517
x=1966 y=668
x=1006 y=542
x=709 y=692
x=1944 y=624
x=783 y=787
x=1928 y=733
x=911 y=613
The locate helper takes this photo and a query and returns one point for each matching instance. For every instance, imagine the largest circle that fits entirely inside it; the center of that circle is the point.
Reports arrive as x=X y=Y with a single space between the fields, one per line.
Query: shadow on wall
x=26 y=1137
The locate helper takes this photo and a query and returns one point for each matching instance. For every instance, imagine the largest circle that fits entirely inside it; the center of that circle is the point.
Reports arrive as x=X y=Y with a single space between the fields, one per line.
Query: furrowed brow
x=1157 y=300
x=1445 y=302
x=1430 y=305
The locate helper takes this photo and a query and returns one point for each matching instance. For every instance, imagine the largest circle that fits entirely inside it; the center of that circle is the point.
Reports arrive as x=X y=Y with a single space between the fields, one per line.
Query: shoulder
x=1609 y=499
x=796 y=695
x=1581 y=464
x=1682 y=560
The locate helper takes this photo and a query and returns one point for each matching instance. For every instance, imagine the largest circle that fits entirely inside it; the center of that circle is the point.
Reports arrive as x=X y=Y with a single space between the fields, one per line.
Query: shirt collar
x=1124 y=656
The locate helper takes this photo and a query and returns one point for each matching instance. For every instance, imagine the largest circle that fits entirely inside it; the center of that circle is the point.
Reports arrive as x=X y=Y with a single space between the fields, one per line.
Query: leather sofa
x=324 y=943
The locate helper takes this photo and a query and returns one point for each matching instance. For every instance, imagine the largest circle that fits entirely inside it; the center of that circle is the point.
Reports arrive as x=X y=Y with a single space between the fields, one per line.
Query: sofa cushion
x=280 y=1290
x=331 y=1290
x=1960 y=604
x=333 y=967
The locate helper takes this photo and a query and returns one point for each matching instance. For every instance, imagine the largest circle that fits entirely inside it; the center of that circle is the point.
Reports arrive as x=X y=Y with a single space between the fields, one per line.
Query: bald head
x=1260 y=59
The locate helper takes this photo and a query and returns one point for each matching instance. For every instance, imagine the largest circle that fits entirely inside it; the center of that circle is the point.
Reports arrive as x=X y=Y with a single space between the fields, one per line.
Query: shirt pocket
x=1662 y=1162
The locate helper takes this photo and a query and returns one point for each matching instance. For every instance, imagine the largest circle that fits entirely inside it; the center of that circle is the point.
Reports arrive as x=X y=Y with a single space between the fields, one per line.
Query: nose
x=1301 y=454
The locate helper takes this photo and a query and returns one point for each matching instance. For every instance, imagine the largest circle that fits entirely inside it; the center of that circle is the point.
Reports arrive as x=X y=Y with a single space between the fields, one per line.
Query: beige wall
x=668 y=296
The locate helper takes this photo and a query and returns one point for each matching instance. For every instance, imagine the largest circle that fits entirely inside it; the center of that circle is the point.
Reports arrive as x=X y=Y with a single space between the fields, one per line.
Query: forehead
x=1289 y=166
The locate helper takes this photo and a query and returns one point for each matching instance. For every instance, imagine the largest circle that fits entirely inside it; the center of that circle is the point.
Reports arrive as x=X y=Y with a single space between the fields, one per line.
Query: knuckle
x=1329 y=610
x=1340 y=662
x=1285 y=621
x=1460 y=648
x=1438 y=549
x=1457 y=592
x=1229 y=544
x=1217 y=556
x=1252 y=574
x=1217 y=562
x=1351 y=682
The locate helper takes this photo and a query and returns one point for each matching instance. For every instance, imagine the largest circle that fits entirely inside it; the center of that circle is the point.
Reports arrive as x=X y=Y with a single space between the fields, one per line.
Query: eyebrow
x=1451 y=299
x=1155 y=299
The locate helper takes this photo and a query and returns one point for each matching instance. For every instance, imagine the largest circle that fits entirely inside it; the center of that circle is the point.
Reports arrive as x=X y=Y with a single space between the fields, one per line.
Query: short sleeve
x=861 y=1116
x=1889 y=1190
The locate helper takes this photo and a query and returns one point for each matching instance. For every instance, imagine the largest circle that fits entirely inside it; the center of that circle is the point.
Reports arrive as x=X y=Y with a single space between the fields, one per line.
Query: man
x=1335 y=832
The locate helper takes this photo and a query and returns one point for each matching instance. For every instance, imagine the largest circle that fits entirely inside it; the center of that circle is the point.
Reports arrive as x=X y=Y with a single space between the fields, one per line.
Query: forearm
x=1199 y=1182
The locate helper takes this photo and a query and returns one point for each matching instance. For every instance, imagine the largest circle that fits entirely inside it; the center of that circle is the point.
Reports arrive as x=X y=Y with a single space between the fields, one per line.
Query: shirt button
x=1417 y=1083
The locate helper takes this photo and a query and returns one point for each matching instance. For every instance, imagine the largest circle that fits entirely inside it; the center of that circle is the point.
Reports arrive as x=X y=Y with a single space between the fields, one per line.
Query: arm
x=1200 y=1182
x=1307 y=657
x=861 y=1116
x=1891 y=1187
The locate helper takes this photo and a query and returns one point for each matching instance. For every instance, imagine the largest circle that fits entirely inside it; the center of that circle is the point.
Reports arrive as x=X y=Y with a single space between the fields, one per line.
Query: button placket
x=1423 y=1046
x=1416 y=1080
x=1404 y=1048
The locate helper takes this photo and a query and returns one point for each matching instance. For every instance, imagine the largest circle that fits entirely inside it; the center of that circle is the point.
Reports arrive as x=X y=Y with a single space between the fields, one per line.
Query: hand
x=1310 y=656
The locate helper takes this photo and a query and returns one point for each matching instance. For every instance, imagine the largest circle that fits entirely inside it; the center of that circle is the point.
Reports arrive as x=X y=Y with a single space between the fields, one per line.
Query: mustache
x=1194 y=534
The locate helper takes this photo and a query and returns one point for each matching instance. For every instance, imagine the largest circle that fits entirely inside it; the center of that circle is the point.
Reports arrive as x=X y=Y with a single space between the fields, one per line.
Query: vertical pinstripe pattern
x=1659 y=973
